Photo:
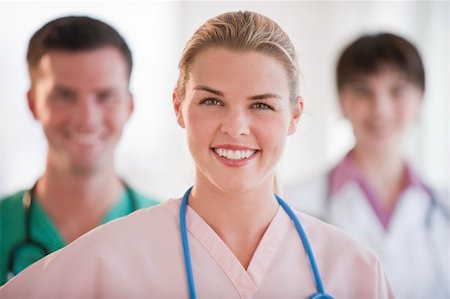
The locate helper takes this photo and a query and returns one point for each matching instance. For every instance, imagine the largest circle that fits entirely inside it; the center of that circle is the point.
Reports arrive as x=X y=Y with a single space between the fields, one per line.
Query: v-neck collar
x=44 y=230
x=347 y=172
x=247 y=282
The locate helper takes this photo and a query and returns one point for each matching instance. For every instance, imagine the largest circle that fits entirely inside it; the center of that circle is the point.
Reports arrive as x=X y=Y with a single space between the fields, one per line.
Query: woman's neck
x=384 y=172
x=240 y=219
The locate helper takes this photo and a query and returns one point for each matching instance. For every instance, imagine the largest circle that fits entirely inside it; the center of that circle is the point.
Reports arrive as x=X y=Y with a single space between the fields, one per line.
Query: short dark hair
x=368 y=53
x=75 y=33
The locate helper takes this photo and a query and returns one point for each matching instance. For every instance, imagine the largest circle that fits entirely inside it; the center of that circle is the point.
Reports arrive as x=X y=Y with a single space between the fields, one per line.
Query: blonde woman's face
x=237 y=116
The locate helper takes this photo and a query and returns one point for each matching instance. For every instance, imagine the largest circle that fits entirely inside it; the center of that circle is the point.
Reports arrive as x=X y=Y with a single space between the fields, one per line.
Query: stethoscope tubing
x=28 y=201
x=305 y=242
x=187 y=257
x=186 y=252
x=28 y=206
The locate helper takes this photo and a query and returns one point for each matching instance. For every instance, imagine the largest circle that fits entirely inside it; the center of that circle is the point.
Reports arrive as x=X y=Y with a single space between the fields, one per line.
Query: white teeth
x=234 y=155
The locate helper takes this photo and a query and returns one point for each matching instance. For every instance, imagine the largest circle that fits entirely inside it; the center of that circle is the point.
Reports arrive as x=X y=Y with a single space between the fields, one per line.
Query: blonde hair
x=241 y=31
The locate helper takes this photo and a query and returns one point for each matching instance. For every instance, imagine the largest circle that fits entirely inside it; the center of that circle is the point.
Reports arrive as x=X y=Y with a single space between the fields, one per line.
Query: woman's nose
x=235 y=122
x=382 y=104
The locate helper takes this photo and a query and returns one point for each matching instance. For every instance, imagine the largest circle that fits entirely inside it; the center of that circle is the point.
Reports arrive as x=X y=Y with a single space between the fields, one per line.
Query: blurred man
x=80 y=71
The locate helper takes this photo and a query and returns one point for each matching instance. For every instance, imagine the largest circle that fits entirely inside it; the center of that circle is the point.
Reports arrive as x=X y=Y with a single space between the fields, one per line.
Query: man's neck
x=77 y=203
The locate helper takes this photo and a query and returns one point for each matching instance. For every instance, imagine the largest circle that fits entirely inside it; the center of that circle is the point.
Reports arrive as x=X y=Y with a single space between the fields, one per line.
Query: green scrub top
x=43 y=231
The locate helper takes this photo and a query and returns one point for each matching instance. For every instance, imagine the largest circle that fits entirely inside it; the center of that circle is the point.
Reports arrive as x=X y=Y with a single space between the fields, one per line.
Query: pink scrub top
x=141 y=256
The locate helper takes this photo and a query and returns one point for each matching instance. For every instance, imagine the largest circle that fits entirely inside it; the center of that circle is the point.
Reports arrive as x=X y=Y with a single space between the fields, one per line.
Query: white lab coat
x=415 y=248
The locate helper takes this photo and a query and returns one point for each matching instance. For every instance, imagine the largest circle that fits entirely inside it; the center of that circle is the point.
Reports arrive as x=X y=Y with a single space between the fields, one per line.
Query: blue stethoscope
x=320 y=294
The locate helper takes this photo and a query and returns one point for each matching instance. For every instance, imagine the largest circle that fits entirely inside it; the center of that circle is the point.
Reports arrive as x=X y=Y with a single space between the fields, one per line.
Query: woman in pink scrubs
x=229 y=236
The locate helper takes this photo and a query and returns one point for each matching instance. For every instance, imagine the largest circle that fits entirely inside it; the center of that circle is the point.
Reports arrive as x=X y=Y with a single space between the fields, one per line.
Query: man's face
x=82 y=101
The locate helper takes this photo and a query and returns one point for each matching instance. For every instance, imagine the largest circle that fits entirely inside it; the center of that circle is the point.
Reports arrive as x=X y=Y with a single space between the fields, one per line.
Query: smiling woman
x=250 y=111
x=229 y=236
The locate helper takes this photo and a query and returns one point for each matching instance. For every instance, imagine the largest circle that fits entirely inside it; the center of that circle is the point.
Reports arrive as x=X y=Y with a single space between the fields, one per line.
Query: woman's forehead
x=222 y=67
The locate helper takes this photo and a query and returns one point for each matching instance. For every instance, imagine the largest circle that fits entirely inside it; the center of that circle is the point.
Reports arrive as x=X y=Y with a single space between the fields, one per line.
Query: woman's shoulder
x=328 y=238
x=348 y=267
x=125 y=232
x=91 y=258
x=146 y=221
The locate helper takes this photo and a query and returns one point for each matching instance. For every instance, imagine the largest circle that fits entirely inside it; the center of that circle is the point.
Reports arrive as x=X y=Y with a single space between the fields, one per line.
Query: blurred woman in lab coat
x=374 y=193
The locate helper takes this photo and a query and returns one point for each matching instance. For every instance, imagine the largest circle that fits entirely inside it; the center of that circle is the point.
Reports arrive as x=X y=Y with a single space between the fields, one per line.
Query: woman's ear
x=344 y=102
x=177 y=107
x=419 y=105
x=130 y=105
x=343 y=107
x=296 y=110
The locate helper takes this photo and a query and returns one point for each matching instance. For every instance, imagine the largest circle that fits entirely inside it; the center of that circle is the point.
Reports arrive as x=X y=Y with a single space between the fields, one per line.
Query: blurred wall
x=152 y=155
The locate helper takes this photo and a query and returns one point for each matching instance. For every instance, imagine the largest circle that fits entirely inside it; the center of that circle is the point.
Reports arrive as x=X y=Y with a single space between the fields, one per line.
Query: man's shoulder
x=12 y=223
x=11 y=205
x=142 y=201
x=13 y=195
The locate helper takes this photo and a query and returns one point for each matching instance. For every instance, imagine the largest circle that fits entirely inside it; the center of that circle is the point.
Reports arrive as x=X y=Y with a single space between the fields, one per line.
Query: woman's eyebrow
x=265 y=96
x=209 y=89
x=221 y=94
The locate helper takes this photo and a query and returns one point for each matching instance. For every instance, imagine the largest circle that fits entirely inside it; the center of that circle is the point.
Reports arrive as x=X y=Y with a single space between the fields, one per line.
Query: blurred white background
x=152 y=155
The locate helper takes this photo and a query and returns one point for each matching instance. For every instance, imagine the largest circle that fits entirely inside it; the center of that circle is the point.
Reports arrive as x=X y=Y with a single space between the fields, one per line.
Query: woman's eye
x=211 y=102
x=361 y=90
x=262 y=106
x=398 y=91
